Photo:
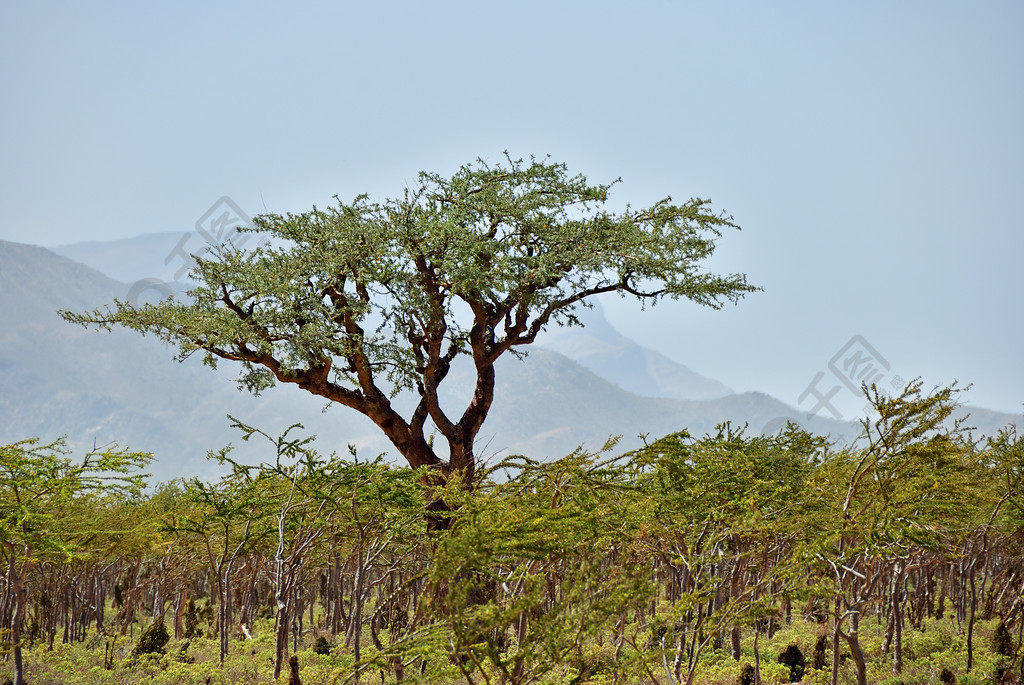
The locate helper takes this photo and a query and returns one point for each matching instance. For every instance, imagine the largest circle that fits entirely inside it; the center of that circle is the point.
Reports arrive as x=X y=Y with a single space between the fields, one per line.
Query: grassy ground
x=939 y=645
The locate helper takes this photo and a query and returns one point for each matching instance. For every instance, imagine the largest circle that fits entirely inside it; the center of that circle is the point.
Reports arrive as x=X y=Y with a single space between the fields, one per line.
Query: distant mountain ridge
x=601 y=348
x=56 y=378
x=152 y=255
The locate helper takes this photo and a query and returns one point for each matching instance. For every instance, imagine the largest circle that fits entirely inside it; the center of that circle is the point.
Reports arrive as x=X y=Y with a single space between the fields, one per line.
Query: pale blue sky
x=873 y=154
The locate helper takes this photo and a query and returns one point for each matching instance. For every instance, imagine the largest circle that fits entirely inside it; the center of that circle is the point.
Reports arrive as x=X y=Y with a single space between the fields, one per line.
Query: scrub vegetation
x=725 y=558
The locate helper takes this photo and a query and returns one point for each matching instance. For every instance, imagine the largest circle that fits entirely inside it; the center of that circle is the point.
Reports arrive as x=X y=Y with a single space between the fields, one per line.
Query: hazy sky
x=873 y=154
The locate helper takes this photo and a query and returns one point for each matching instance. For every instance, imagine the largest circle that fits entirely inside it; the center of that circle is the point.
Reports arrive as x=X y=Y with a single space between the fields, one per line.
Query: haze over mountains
x=579 y=388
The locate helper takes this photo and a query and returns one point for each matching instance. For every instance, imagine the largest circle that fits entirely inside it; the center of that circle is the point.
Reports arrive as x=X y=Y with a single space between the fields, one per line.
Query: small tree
x=721 y=506
x=535 y=567
x=38 y=485
x=910 y=477
x=224 y=519
x=358 y=302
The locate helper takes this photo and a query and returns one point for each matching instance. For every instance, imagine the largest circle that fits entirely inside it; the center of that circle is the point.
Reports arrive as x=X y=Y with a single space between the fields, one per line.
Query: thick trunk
x=410 y=443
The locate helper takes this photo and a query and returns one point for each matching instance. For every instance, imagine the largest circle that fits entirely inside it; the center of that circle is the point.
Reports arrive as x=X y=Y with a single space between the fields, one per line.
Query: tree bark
x=897 y=613
x=20 y=588
x=856 y=653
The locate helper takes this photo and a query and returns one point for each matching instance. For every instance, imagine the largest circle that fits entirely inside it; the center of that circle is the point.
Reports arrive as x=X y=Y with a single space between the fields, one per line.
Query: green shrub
x=818 y=660
x=192 y=628
x=322 y=646
x=1002 y=643
x=792 y=657
x=153 y=639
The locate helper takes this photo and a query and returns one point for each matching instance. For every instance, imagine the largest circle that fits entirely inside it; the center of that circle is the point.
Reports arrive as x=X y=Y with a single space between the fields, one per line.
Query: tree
x=543 y=561
x=38 y=487
x=363 y=300
x=909 y=485
x=721 y=521
x=225 y=519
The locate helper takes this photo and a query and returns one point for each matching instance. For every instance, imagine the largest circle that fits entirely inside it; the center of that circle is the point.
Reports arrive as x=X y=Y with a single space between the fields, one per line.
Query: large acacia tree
x=362 y=300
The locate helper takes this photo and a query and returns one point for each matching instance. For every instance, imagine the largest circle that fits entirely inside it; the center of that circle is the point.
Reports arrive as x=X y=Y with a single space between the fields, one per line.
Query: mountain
x=98 y=387
x=153 y=255
x=611 y=355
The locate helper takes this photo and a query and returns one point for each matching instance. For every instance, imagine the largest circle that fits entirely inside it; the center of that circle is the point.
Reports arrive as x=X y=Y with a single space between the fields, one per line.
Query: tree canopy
x=364 y=299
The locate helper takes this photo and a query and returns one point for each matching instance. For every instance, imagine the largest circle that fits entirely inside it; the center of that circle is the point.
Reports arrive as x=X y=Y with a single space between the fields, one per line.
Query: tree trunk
x=897 y=613
x=179 y=612
x=971 y=614
x=282 y=622
x=224 y=610
x=357 y=607
x=856 y=653
x=757 y=657
x=20 y=602
x=836 y=632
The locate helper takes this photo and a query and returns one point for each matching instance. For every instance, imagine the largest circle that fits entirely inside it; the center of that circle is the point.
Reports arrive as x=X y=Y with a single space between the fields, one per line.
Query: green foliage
x=533 y=568
x=48 y=503
x=192 y=628
x=54 y=512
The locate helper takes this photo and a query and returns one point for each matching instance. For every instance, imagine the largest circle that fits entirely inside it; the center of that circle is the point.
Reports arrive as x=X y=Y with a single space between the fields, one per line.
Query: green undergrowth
x=940 y=644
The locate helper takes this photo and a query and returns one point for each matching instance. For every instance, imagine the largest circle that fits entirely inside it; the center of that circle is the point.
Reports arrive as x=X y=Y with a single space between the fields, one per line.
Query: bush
x=746 y=675
x=792 y=657
x=153 y=639
x=1002 y=643
x=322 y=646
x=192 y=628
x=818 y=660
